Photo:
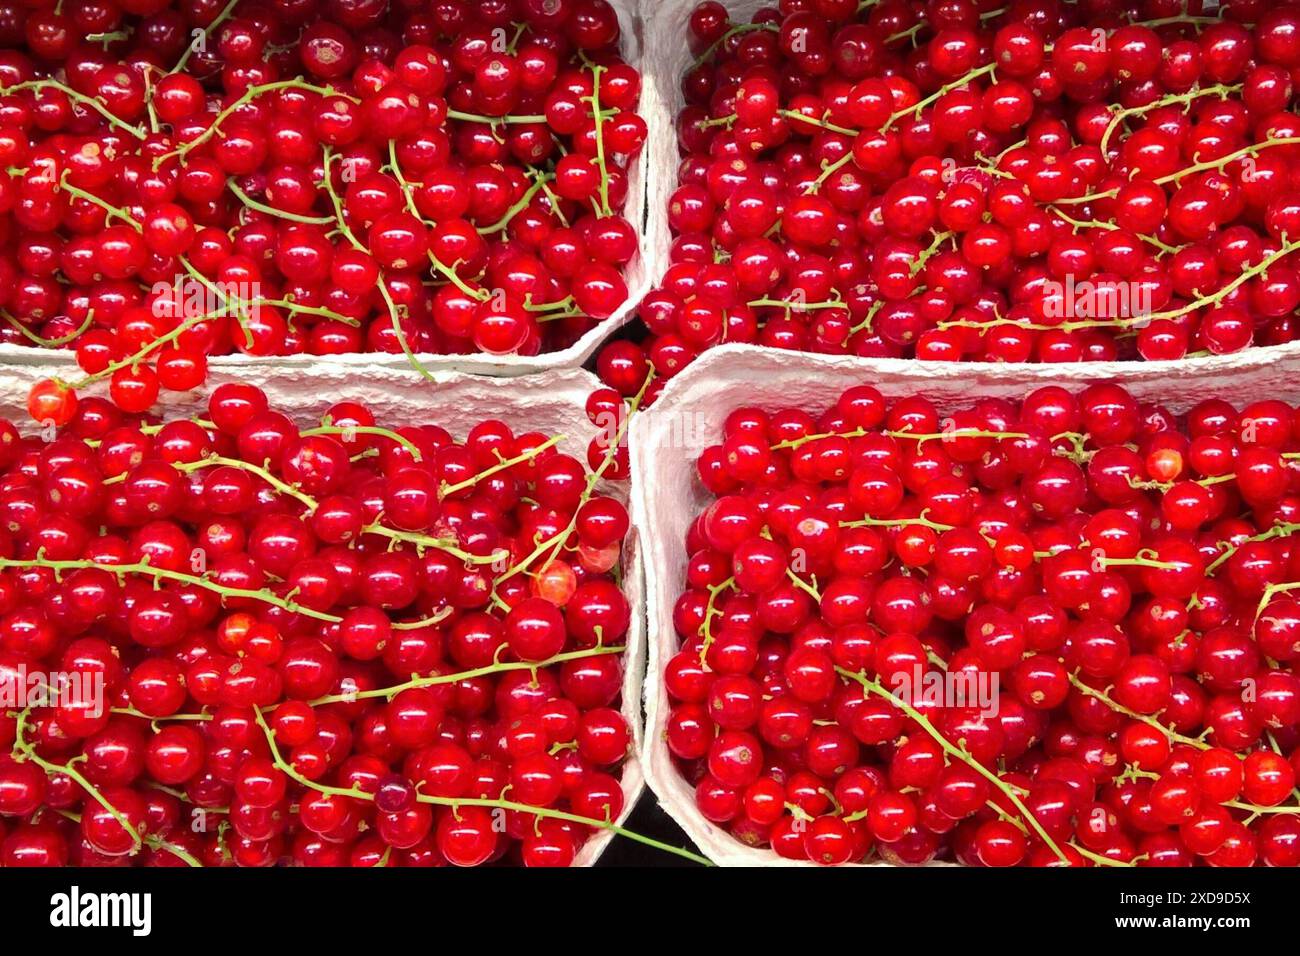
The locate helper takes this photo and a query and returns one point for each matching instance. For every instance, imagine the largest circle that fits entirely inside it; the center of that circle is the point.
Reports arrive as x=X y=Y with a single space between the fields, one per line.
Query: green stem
x=1139 y=320
x=554 y=543
x=1171 y=99
x=132 y=360
x=954 y=434
x=985 y=70
x=24 y=750
x=503 y=465
x=49 y=343
x=180 y=577
x=447 y=271
x=111 y=210
x=1202 y=167
x=389 y=692
x=81 y=98
x=598 y=120
x=194 y=44
x=805 y=439
x=250 y=94
x=710 y=612
x=252 y=203
x=391 y=435
x=311 y=504
x=1097 y=857
x=1102 y=696
x=519 y=206
x=820 y=123
x=795 y=305
x=1279 y=530
x=921 y=521
x=508 y=805
x=1109 y=226
x=738 y=29
x=960 y=753
x=517 y=119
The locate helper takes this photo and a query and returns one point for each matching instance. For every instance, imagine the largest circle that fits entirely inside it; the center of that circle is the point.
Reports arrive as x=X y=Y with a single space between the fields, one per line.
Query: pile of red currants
x=274 y=177
x=240 y=640
x=1060 y=631
x=973 y=180
x=1056 y=631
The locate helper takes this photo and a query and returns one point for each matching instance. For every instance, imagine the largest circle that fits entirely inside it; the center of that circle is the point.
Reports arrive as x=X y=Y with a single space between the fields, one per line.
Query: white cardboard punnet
x=553 y=402
x=668 y=56
x=636 y=274
x=666 y=441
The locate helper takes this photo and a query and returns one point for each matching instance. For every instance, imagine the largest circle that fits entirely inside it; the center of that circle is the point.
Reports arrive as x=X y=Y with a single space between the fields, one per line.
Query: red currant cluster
x=1049 y=632
x=278 y=176
x=977 y=181
x=334 y=645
